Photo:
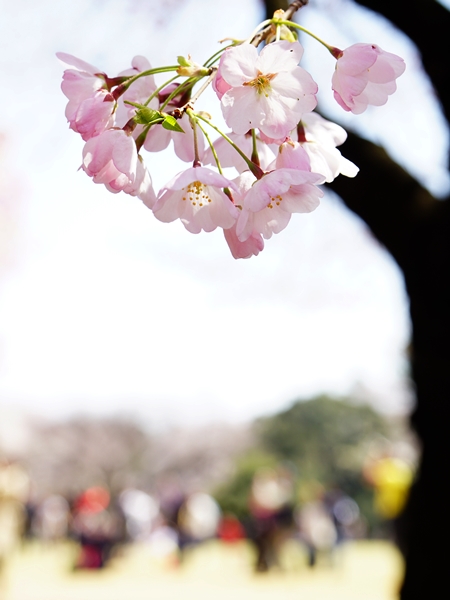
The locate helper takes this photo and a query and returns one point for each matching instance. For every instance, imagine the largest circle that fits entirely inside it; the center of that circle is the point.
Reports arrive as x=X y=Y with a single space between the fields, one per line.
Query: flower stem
x=301 y=28
x=194 y=118
x=122 y=88
x=277 y=39
x=208 y=139
x=212 y=59
x=193 y=121
x=254 y=168
x=255 y=157
x=267 y=31
x=180 y=89
x=197 y=95
x=153 y=72
x=158 y=89
x=255 y=31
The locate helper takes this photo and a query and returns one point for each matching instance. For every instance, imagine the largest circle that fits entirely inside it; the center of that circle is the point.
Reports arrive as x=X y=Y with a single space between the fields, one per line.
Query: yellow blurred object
x=392 y=479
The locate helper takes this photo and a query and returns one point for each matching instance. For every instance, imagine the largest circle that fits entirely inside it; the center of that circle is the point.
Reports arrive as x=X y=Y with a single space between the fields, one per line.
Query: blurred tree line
x=324 y=442
x=68 y=457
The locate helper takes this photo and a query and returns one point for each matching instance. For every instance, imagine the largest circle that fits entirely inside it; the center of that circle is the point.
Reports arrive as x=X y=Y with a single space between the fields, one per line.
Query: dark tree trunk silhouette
x=415 y=228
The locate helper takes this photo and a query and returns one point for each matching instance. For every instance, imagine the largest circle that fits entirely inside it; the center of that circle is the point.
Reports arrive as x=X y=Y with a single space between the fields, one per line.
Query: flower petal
x=79 y=64
x=237 y=64
x=279 y=56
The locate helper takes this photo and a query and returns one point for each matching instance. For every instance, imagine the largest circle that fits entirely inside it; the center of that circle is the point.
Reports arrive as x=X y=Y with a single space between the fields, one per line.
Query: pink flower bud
x=365 y=74
x=93 y=115
x=90 y=109
x=111 y=158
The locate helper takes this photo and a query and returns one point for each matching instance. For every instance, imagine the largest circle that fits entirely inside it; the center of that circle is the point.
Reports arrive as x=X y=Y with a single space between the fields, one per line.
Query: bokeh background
x=123 y=336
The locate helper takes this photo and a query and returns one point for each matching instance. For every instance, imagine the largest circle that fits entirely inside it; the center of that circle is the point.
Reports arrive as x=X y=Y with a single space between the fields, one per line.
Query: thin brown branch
x=287 y=16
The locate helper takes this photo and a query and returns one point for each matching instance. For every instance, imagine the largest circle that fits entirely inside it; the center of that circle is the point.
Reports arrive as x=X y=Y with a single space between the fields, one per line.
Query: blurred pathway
x=361 y=570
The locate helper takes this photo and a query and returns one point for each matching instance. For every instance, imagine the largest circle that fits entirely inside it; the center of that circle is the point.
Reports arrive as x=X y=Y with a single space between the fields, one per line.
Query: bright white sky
x=105 y=310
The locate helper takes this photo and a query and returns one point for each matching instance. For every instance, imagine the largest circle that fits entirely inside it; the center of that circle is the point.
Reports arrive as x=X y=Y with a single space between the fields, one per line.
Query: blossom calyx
x=189 y=68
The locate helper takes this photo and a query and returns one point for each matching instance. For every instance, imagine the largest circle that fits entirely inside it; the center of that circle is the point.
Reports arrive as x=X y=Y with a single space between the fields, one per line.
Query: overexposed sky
x=105 y=310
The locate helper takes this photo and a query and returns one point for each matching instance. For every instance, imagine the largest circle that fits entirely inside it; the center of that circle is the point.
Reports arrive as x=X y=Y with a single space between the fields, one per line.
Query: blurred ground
x=366 y=569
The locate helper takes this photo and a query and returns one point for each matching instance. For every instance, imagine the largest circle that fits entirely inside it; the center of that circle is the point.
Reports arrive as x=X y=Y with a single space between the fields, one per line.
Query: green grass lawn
x=358 y=571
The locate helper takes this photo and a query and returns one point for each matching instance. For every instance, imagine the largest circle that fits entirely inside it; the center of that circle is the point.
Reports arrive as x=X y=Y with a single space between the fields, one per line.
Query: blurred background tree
x=328 y=441
x=324 y=442
x=233 y=494
x=414 y=226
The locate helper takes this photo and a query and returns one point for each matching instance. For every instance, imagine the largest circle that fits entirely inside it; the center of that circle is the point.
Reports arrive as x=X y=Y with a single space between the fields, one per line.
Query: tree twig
x=288 y=14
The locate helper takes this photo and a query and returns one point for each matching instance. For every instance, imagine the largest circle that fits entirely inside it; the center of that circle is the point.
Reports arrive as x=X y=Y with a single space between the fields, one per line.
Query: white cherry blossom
x=195 y=197
x=268 y=90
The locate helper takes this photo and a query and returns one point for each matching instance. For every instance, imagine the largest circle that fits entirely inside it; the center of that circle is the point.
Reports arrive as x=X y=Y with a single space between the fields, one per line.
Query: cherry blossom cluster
x=282 y=151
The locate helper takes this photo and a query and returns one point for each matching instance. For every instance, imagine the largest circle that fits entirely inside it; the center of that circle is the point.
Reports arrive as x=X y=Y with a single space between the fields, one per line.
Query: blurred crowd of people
x=171 y=521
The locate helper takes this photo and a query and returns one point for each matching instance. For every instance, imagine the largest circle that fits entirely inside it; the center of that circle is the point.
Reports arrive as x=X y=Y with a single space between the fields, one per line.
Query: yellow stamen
x=261 y=83
x=196 y=193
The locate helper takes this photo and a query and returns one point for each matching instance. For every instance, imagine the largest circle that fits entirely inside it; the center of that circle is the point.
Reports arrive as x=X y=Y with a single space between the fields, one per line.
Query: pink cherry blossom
x=91 y=107
x=157 y=138
x=268 y=91
x=290 y=189
x=319 y=138
x=219 y=85
x=83 y=81
x=271 y=141
x=365 y=74
x=267 y=204
x=252 y=246
x=195 y=197
x=111 y=158
x=93 y=115
x=291 y=155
